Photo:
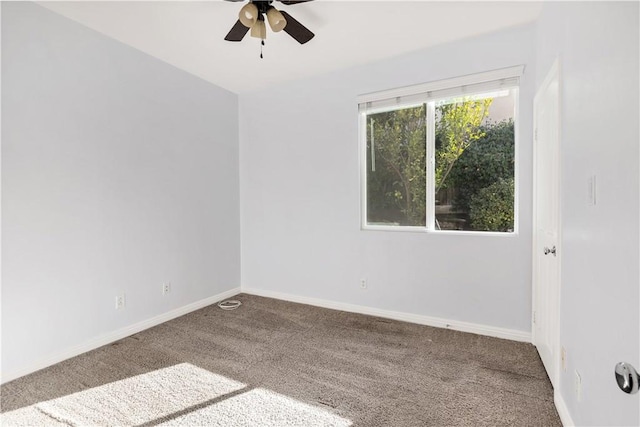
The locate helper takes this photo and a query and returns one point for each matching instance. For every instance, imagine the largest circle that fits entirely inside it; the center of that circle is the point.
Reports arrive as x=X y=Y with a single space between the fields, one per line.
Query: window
x=441 y=156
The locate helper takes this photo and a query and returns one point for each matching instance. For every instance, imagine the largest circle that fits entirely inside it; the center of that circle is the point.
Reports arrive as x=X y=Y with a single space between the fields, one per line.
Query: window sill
x=408 y=229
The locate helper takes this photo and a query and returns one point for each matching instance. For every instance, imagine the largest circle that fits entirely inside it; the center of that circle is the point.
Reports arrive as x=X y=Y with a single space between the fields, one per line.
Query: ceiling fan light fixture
x=248 y=15
x=259 y=30
x=254 y=14
x=277 y=22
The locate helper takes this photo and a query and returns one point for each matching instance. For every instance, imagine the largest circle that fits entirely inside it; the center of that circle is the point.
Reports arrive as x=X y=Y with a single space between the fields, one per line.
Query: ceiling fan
x=252 y=16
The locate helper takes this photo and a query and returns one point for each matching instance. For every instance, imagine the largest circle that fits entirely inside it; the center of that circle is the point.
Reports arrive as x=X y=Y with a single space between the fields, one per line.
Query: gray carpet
x=274 y=363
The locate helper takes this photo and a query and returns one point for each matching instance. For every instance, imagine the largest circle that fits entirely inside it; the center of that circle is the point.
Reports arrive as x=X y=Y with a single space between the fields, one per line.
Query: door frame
x=553 y=320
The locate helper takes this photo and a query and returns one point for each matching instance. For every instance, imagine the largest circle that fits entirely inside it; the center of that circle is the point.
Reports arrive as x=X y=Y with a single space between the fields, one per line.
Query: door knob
x=627 y=377
x=548 y=251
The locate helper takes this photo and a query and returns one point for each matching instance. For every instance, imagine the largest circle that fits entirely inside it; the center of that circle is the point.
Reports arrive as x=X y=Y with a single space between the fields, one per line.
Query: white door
x=546 y=223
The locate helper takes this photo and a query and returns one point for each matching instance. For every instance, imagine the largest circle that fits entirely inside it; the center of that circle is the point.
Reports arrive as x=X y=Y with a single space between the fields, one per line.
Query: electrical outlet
x=166 y=288
x=363 y=283
x=563 y=359
x=120 y=301
x=577 y=386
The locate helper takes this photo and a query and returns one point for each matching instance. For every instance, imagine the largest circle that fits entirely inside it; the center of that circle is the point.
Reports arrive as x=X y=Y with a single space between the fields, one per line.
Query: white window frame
x=429 y=94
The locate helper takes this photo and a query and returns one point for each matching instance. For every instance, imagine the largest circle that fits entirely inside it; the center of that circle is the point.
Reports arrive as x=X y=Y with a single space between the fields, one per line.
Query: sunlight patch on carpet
x=130 y=401
x=28 y=417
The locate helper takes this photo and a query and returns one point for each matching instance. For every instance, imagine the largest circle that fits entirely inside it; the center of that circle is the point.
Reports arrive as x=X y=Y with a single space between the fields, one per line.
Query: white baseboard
x=456 y=325
x=563 y=411
x=116 y=335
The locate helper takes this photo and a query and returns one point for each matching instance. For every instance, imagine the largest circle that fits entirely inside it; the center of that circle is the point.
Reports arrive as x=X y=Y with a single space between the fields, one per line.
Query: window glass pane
x=396 y=168
x=474 y=163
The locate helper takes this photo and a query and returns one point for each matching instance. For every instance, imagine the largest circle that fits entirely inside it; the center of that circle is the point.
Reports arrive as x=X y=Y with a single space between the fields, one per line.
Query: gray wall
x=597 y=44
x=300 y=197
x=119 y=173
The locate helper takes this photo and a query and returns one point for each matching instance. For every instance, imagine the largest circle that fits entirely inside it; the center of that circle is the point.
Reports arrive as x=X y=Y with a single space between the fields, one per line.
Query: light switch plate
x=593 y=193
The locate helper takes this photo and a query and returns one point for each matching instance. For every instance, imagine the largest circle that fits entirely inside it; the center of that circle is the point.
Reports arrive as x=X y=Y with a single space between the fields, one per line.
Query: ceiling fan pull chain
x=261 y=45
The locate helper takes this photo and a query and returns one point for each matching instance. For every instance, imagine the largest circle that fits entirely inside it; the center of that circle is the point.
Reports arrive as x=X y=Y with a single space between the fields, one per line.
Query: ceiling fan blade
x=290 y=2
x=296 y=29
x=237 y=33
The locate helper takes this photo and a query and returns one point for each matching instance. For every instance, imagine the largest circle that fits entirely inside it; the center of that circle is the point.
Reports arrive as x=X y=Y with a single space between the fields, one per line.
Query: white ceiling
x=189 y=35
